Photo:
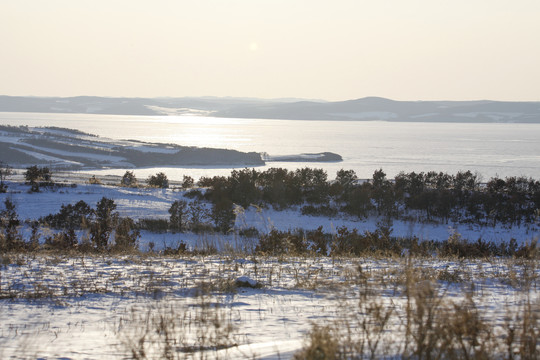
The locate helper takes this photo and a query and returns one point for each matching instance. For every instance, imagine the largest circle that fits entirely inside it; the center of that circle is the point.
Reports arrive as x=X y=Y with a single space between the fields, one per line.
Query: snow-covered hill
x=71 y=149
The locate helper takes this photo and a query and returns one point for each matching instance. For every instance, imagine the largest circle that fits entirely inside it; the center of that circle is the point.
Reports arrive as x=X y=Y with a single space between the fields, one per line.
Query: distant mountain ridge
x=369 y=108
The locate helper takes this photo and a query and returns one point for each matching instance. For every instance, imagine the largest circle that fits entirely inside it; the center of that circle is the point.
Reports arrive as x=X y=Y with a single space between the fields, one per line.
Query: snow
x=245 y=281
x=89 y=305
x=424 y=115
x=85 y=155
x=266 y=219
x=368 y=115
x=48 y=158
x=169 y=111
x=77 y=307
x=497 y=116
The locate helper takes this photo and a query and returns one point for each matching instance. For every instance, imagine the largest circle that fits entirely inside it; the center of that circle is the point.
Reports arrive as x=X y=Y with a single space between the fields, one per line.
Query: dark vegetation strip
x=431 y=197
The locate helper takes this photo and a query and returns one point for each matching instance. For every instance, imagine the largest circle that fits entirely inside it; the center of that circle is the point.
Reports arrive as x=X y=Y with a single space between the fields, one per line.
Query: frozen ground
x=58 y=307
x=96 y=307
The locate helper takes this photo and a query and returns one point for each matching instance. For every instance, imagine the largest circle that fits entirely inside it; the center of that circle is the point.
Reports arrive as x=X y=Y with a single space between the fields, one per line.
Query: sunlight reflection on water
x=489 y=149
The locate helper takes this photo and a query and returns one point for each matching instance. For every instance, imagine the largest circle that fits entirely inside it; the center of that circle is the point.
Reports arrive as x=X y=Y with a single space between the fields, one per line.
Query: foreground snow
x=100 y=307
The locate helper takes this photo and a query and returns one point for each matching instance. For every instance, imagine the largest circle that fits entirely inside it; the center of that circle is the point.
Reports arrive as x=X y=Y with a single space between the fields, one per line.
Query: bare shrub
x=176 y=330
x=323 y=343
x=282 y=242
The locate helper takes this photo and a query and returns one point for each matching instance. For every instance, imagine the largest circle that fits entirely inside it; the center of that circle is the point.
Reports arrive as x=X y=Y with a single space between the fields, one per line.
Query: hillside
x=71 y=149
x=369 y=108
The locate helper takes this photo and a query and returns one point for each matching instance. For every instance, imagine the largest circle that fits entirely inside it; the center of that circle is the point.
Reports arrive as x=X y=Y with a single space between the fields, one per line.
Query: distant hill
x=370 y=108
x=373 y=108
x=24 y=146
x=70 y=149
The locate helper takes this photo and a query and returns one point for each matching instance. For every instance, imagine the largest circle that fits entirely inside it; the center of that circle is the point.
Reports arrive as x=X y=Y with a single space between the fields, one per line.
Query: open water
x=500 y=149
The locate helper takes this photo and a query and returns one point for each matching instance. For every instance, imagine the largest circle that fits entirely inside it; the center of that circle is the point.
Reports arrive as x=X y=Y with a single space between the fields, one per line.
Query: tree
x=383 y=193
x=10 y=238
x=242 y=188
x=197 y=215
x=313 y=184
x=187 y=182
x=5 y=171
x=178 y=212
x=129 y=179
x=223 y=215
x=35 y=175
x=358 y=201
x=346 y=178
x=280 y=187
x=125 y=237
x=70 y=216
x=101 y=228
x=159 y=180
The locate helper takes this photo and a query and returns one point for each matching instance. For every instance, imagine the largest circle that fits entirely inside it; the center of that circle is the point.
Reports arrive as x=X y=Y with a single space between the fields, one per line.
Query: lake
x=501 y=149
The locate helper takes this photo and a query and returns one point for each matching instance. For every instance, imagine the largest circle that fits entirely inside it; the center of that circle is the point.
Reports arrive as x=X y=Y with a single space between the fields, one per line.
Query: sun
x=253 y=46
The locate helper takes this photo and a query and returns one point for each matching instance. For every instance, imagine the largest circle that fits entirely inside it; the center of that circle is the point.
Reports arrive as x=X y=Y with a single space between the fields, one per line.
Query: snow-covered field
x=237 y=305
x=60 y=307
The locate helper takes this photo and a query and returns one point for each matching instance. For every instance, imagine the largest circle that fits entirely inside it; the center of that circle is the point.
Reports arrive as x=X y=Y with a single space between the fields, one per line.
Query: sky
x=313 y=49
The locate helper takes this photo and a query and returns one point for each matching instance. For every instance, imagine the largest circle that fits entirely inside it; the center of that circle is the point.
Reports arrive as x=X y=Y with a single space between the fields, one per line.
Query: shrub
x=129 y=179
x=37 y=177
x=154 y=225
x=159 y=180
x=455 y=246
x=65 y=240
x=70 y=216
x=188 y=182
x=5 y=171
x=280 y=242
x=94 y=180
x=126 y=237
x=178 y=212
x=318 y=241
x=194 y=194
x=101 y=228
x=223 y=215
x=322 y=210
x=198 y=216
x=249 y=232
x=10 y=238
x=347 y=242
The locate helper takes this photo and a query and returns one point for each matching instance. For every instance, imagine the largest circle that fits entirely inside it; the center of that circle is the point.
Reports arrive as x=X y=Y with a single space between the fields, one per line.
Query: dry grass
x=400 y=308
x=177 y=331
x=424 y=322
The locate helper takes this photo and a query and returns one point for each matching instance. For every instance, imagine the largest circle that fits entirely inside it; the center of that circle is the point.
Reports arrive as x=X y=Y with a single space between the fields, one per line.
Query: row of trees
x=428 y=196
x=158 y=180
x=100 y=225
x=42 y=176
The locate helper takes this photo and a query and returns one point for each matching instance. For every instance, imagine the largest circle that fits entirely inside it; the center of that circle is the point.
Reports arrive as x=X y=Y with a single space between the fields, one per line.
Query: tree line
x=429 y=196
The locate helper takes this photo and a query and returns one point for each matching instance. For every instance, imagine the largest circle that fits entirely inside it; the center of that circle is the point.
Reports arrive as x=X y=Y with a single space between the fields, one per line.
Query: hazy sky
x=334 y=50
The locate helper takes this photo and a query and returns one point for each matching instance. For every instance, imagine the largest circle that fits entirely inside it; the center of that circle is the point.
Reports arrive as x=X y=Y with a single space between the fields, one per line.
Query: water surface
x=501 y=149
